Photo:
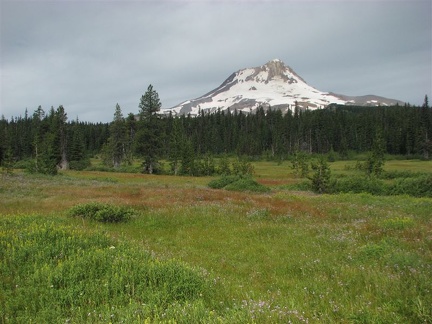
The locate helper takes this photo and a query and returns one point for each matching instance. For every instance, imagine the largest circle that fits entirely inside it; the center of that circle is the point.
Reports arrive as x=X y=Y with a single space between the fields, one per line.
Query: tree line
x=47 y=141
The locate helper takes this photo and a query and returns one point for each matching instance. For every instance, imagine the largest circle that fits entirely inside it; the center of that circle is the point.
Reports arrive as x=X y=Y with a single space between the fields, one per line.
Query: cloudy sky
x=90 y=55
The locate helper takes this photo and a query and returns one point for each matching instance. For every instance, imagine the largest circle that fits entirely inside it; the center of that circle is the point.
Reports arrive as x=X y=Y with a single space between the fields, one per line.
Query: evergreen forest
x=46 y=141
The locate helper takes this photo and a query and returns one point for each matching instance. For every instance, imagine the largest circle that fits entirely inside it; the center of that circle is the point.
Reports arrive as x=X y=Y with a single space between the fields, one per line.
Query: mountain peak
x=275 y=61
x=277 y=68
x=273 y=84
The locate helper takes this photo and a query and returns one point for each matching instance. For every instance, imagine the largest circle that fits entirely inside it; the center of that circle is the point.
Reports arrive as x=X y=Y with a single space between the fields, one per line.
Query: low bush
x=237 y=183
x=396 y=174
x=23 y=164
x=102 y=212
x=223 y=181
x=247 y=184
x=359 y=184
x=417 y=187
x=79 y=165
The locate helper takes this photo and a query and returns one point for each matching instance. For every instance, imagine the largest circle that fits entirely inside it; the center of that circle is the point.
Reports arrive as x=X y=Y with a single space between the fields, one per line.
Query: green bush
x=359 y=184
x=23 y=164
x=247 y=184
x=237 y=183
x=321 y=178
x=79 y=165
x=395 y=174
x=242 y=167
x=102 y=212
x=223 y=181
x=417 y=187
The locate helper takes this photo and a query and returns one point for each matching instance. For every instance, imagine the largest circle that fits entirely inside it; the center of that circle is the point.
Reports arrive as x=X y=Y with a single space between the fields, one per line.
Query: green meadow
x=191 y=254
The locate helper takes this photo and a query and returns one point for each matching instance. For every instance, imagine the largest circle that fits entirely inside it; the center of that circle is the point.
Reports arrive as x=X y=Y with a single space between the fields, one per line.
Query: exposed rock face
x=273 y=85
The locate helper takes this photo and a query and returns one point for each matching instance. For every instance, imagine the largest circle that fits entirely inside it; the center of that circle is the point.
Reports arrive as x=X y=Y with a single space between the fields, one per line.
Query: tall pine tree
x=149 y=135
x=114 y=151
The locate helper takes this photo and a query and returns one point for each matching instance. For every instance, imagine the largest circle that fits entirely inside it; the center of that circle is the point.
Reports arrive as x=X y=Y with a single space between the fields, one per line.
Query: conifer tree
x=7 y=161
x=176 y=144
x=321 y=175
x=131 y=129
x=76 y=153
x=299 y=163
x=149 y=135
x=187 y=159
x=224 y=165
x=375 y=161
x=4 y=143
x=115 y=148
x=426 y=129
x=60 y=127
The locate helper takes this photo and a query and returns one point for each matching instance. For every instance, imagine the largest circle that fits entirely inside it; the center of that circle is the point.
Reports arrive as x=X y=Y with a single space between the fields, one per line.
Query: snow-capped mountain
x=273 y=85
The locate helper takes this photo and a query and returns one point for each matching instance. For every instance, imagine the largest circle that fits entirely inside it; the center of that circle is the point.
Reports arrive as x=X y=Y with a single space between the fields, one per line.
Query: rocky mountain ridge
x=274 y=85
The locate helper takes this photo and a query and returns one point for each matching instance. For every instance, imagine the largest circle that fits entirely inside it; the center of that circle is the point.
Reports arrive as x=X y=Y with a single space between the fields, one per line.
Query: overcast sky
x=90 y=55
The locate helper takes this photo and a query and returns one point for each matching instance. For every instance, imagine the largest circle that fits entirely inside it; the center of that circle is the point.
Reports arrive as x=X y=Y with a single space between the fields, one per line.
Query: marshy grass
x=276 y=257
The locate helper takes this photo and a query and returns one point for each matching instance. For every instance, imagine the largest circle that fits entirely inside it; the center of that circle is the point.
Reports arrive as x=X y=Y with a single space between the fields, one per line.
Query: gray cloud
x=88 y=56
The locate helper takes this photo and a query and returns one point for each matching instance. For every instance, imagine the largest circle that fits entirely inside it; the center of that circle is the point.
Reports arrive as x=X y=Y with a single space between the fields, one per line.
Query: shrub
x=223 y=181
x=321 y=177
x=224 y=166
x=417 y=187
x=79 y=165
x=395 y=174
x=359 y=184
x=300 y=163
x=102 y=212
x=247 y=184
x=242 y=167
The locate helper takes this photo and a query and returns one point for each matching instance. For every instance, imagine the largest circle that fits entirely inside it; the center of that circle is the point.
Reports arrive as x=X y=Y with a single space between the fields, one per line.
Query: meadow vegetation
x=110 y=247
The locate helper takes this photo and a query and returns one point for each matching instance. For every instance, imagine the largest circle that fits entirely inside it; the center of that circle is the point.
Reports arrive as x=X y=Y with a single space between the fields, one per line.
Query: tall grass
x=237 y=257
x=53 y=273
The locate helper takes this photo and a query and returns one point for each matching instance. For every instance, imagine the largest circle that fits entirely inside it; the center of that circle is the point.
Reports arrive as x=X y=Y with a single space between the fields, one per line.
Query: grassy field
x=213 y=255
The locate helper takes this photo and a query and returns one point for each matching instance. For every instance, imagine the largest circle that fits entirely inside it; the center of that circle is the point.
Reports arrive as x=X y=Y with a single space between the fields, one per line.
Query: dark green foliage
x=80 y=165
x=223 y=181
x=359 y=184
x=204 y=166
x=337 y=130
x=321 y=177
x=331 y=155
x=404 y=183
x=115 y=150
x=300 y=163
x=187 y=161
x=242 y=167
x=374 y=165
x=176 y=144
x=224 y=165
x=7 y=163
x=395 y=174
x=77 y=156
x=149 y=135
x=417 y=187
x=103 y=212
x=247 y=184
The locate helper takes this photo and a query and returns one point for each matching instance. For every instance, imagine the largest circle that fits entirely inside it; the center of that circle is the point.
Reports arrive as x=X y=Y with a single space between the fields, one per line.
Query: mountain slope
x=273 y=84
